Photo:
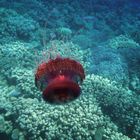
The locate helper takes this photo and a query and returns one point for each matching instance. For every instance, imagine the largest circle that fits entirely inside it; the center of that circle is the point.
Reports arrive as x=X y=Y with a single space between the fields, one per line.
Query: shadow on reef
x=3 y=136
x=132 y=59
x=126 y=130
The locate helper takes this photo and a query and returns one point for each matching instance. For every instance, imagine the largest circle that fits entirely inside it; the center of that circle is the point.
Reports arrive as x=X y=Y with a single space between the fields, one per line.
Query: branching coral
x=119 y=103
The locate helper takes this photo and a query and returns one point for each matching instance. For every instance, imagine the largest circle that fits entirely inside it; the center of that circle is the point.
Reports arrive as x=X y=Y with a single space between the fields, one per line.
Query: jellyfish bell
x=59 y=80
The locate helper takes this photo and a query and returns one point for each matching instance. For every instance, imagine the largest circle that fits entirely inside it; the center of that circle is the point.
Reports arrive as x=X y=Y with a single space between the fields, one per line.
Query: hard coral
x=122 y=41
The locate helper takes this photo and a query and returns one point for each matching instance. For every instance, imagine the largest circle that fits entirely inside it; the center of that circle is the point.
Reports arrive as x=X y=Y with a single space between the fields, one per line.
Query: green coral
x=78 y=119
x=64 y=33
x=122 y=41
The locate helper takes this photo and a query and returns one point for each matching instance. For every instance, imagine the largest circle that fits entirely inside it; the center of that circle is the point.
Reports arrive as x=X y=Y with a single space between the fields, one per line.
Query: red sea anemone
x=59 y=79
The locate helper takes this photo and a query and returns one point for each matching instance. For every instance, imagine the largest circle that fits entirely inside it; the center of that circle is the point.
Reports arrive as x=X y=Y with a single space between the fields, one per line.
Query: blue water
x=103 y=36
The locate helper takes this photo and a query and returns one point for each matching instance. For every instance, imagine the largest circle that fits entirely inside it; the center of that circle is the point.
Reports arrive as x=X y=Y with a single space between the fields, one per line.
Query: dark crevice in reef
x=4 y=136
x=126 y=130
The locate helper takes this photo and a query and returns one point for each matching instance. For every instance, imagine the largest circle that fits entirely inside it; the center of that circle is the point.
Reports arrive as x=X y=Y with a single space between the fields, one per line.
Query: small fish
x=89 y=18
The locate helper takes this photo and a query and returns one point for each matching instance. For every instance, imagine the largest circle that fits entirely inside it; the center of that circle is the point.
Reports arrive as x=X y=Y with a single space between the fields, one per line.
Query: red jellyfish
x=59 y=80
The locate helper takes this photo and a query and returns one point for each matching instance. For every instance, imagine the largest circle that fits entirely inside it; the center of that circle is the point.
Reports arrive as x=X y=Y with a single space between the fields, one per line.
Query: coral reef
x=14 y=25
x=122 y=42
x=107 y=62
x=80 y=119
x=119 y=103
x=103 y=36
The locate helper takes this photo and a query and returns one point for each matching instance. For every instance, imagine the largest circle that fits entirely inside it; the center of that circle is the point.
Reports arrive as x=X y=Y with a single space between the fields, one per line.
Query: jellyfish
x=59 y=80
